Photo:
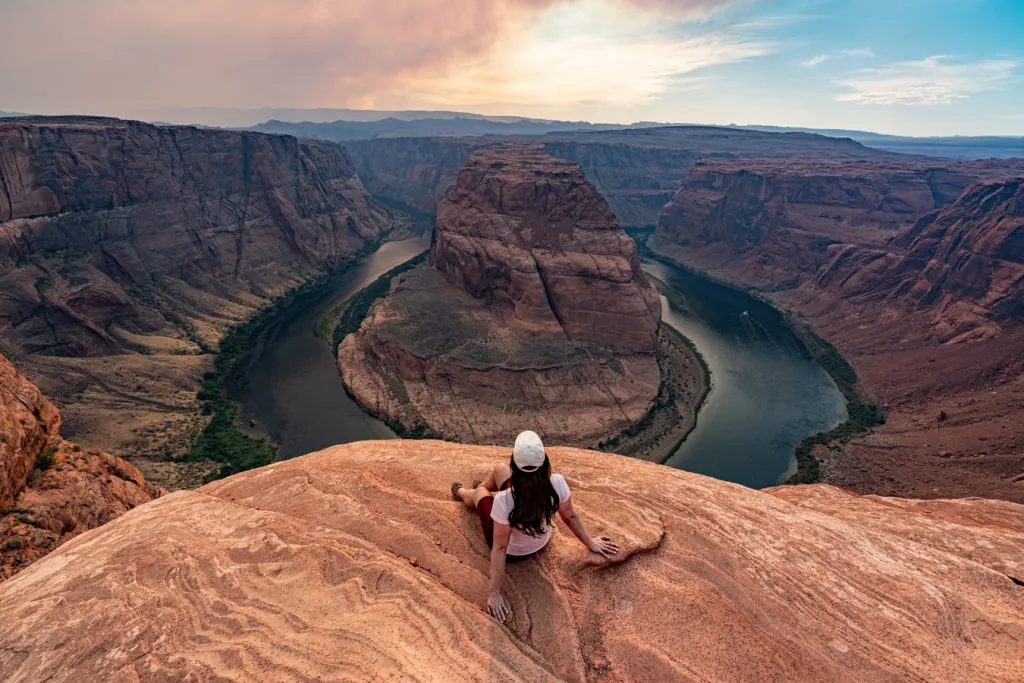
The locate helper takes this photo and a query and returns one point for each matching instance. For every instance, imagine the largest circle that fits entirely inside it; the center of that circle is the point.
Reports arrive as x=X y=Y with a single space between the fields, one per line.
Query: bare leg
x=498 y=476
x=471 y=497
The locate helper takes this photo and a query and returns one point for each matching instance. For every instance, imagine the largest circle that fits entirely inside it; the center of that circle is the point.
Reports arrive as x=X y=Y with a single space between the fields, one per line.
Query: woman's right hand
x=603 y=546
x=497 y=607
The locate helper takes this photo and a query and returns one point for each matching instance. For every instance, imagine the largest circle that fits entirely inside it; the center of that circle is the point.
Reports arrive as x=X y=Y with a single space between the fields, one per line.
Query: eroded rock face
x=637 y=170
x=533 y=310
x=116 y=235
x=28 y=422
x=775 y=223
x=964 y=264
x=525 y=228
x=354 y=563
x=52 y=490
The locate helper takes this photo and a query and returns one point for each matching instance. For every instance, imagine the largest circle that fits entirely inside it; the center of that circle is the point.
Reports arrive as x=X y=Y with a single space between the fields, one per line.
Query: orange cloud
x=122 y=56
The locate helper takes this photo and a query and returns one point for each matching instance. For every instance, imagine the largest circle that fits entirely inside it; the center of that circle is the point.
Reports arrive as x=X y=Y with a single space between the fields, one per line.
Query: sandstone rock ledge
x=353 y=564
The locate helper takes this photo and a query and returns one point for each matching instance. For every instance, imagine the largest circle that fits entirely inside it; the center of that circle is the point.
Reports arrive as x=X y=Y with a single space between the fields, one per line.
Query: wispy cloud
x=858 y=52
x=611 y=57
x=935 y=80
x=257 y=52
x=814 y=61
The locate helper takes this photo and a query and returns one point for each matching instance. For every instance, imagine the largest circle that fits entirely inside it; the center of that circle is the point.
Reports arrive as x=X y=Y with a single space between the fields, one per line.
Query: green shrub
x=14 y=543
x=47 y=458
x=221 y=441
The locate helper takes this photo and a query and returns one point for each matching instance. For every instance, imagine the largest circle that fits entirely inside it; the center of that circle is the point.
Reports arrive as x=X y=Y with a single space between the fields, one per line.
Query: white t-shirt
x=520 y=543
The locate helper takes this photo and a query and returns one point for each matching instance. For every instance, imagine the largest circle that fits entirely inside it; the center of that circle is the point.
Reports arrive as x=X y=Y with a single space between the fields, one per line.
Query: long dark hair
x=534 y=499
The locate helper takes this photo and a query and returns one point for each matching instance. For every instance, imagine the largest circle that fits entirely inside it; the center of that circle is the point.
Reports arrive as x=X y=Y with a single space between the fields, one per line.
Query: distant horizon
x=913 y=68
x=168 y=117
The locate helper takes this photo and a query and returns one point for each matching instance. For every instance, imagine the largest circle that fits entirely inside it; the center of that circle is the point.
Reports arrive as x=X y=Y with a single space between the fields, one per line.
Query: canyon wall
x=52 y=490
x=127 y=250
x=637 y=170
x=913 y=270
x=772 y=223
x=964 y=264
x=354 y=563
x=533 y=311
x=115 y=231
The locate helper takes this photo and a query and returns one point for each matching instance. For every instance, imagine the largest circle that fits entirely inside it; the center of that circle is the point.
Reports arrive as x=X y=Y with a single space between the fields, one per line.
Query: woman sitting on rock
x=515 y=505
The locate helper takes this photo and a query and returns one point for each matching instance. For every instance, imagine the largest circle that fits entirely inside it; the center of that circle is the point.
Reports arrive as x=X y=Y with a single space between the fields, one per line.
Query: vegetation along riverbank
x=863 y=415
x=221 y=440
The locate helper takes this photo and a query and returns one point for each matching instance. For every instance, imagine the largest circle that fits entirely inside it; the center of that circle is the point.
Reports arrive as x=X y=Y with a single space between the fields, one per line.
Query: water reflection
x=767 y=394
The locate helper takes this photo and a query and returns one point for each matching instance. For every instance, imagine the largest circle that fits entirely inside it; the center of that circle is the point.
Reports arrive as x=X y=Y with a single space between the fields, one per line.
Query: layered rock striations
x=127 y=250
x=52 y=490
x=526 y=229
x=775 y=223
x=533 y=310
x=637 y=170
x=354 y=564
x=111 y=231
x=963 y=264
x=925 y=302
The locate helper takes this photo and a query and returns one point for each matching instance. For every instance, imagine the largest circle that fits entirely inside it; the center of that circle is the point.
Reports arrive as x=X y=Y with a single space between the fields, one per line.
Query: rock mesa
x=533 y=309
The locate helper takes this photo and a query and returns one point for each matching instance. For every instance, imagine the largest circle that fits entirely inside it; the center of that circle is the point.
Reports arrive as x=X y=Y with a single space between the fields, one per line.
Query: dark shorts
x=483 y=510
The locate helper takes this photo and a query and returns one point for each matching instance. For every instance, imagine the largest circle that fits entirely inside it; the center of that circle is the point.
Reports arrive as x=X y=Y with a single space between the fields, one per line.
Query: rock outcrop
x=52 y=490
x=355 y=564
x=526 y=229
x=533 y=309
x=29 y=423
x=775 y=223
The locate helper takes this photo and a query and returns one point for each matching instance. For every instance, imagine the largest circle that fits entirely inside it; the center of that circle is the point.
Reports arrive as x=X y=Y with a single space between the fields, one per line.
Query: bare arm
x=496 y=605
x=601 y=545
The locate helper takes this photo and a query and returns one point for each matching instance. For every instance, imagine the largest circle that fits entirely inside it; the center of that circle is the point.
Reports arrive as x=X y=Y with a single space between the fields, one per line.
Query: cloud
x=582 y=57
x=814 y=61
x=118 y=55
x=927 y=82
x=858 y=52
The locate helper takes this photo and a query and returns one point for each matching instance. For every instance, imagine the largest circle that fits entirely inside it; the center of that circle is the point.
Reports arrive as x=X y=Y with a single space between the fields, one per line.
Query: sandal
x=476 y=483
x=455 y=491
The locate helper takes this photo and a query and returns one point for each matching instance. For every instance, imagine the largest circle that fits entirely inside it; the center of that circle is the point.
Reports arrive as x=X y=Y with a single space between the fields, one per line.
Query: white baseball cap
x=528 y=453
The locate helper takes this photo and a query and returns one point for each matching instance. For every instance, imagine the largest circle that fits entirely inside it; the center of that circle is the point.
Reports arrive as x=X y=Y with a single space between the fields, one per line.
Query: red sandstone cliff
x=525 y=228
x=963 y=264
x=114 y=230
x=534 y=310
x=772 y=223
x=127 y=250
x=52 y=490
x=636 y=170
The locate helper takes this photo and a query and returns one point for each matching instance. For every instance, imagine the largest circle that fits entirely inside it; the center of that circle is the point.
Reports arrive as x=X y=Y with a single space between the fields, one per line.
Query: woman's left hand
x=603 y=546
x=497 y=607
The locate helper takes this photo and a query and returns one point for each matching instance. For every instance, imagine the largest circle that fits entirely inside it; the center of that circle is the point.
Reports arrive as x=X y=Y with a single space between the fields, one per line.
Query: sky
x=909 y=67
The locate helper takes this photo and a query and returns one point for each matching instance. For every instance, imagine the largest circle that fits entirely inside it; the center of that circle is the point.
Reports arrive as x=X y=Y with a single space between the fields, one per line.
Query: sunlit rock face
x=354 y=563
